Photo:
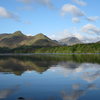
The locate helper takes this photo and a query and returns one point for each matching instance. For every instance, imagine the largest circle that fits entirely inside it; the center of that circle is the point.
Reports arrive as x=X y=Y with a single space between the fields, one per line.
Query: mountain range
x=18 y=39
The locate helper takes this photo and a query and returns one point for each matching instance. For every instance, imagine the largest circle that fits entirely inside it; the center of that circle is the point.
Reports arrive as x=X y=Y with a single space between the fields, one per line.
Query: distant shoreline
x=9 y=54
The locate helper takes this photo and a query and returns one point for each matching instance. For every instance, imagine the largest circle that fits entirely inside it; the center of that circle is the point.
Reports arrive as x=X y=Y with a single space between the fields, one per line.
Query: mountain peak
x=40 y=34
x=70 y=41
x=18 y=33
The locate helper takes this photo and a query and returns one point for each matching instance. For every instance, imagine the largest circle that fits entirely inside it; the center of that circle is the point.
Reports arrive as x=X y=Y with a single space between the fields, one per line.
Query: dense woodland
x=78 y=48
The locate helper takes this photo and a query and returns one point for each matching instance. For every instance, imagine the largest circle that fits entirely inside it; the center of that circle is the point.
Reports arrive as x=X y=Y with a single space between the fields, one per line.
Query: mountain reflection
x=20 y=64
x=18 y=67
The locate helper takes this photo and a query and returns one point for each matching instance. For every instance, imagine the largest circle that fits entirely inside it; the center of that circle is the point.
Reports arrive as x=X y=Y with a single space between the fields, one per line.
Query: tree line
x=78 y=48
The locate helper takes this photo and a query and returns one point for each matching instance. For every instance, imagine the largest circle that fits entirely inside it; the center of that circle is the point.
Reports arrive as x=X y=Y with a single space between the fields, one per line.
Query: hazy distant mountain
x=98 y=42
x=70 y=41
x=19 y=39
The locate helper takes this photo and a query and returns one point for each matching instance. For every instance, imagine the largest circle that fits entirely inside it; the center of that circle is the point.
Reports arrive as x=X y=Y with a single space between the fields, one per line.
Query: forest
x=78 y=48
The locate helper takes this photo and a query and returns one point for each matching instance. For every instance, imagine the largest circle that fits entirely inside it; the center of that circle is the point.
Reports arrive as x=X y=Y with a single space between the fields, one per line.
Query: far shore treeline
x=78 y=48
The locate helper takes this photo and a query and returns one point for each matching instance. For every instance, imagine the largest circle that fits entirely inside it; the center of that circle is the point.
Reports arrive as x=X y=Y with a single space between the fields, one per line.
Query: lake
x=50 y=77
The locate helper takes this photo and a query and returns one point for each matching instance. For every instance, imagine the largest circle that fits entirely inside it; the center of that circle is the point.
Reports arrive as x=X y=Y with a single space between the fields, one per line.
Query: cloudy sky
x=55 y=18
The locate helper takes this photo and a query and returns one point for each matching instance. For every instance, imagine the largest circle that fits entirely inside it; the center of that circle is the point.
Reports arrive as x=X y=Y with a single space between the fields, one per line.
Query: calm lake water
x=50 y=77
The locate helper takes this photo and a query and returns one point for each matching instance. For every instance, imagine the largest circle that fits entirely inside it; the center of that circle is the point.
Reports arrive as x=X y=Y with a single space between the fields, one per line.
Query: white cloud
x=67 y=33
x=93 y=18
x=76 y=13
x=79 y=36
x=47 y=3
x=91 y=29
x=78 y=33
x=4 y=13
x=86 y=39
x=80 y=2
x=25 y=1
x=60 y=35
x=71 y=9
x=75 y=20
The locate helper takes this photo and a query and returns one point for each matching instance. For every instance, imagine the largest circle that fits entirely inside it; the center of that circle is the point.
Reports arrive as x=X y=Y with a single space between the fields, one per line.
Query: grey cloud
x=71 y=9
x=93 y=18
x=91 y=29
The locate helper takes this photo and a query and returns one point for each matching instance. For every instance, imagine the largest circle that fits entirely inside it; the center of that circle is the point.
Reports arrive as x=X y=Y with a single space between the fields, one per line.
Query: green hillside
x=18 y=39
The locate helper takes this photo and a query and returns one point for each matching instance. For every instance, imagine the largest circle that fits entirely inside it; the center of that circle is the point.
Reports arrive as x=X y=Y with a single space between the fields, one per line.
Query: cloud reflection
x=77 y=91
x=86 y=71
x=7 y=92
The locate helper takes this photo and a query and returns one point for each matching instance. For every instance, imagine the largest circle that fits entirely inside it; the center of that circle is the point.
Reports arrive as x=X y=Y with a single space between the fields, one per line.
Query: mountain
x=98 y=42
x=70 y=41
x=18 y=39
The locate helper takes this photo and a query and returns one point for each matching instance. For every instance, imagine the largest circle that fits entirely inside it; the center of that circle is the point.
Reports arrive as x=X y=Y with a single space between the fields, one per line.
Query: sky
x=57 y=19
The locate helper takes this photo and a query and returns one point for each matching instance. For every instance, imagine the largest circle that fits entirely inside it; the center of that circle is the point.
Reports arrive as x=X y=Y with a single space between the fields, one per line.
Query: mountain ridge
x=70 y=41
x=18 y=39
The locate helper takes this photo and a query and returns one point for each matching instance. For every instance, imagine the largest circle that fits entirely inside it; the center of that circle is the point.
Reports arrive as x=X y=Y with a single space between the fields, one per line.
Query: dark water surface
x=50 y=77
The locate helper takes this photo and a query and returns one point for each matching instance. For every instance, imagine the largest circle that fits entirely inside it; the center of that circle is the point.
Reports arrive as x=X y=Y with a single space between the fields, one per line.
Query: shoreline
x=15 y=54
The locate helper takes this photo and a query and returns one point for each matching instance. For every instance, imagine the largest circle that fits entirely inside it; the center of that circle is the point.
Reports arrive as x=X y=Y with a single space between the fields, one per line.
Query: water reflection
x=87 y=71
x=72 y=77
x=7 y=92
